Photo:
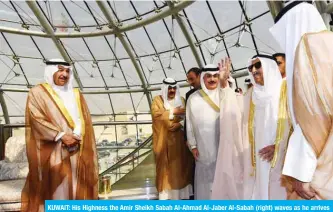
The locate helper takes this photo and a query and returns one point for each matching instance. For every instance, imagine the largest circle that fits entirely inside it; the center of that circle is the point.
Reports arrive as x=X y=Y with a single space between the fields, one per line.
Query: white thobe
x=262 y=167
x=265 y=184
x=202 y=125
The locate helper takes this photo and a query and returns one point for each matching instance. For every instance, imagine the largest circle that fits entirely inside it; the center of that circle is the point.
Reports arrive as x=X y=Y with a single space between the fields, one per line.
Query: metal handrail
x=120 y=162
x=94 y=114
x=130 y=161
x=100 y=123
x=119 y=147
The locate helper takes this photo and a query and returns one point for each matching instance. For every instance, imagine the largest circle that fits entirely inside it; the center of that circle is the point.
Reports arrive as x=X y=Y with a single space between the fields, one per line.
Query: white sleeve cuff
x=171 y=114
x=59 y=136
x=193 y=147
x=300 y=161
x=77 y=131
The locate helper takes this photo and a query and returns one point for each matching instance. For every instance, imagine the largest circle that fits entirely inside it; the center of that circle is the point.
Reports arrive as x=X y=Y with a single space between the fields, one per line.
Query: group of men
x=273 y=142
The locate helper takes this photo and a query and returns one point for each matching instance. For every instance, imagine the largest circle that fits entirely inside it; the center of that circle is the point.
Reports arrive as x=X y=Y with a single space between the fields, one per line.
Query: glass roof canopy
x=122 y=50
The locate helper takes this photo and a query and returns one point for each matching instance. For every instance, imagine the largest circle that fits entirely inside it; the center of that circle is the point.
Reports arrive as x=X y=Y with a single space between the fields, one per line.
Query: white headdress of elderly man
x=60 y=141
x=303 y=36
x=266 y=128
x=202 y=123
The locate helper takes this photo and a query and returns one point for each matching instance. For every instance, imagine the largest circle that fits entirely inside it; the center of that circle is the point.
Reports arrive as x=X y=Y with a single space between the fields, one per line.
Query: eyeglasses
x=257 y=65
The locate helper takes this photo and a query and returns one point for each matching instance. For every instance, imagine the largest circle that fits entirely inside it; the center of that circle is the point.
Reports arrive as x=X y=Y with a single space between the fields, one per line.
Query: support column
x=186 y=34
x=275 y=7
x=4 y=108
x=5 y=133
x=126 y=46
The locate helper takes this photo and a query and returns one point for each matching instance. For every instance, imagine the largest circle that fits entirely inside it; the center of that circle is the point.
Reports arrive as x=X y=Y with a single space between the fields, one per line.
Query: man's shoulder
x=188 y=93
x=316 y=36
x=36 y=89
x=194 y=95
x=157 y=98
x=37 y=92
x=315 y=42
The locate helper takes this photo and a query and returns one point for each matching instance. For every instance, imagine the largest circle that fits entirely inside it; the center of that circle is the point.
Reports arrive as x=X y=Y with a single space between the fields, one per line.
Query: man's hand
x=77 y=137
x=179 y=111
x=70 y=140
x=174 y=127
x=224 y=70
x=304 y=190
x=195 y=153
x=267 y=153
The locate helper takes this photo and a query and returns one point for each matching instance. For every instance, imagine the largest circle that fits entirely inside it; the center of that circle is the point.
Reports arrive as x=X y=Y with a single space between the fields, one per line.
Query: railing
x=109 y=153
x=121 y=163
x=100 y=123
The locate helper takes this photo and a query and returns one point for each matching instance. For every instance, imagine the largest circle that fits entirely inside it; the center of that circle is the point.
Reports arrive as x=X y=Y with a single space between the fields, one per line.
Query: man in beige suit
x=301 y=33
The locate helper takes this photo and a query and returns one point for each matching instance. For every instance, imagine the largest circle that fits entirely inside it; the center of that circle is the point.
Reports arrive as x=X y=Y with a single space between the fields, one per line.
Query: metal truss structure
x=125 y=49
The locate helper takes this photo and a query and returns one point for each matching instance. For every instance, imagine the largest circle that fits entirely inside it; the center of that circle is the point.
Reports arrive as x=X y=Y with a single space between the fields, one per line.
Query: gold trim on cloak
x=209 y=101
x=251 y=136
x=315 y=79
x=64 y=111
x=282 y=116
x=60 y=105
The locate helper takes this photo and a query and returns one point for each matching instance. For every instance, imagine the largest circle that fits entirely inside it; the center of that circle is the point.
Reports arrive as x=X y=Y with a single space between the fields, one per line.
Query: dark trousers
x=193 y=177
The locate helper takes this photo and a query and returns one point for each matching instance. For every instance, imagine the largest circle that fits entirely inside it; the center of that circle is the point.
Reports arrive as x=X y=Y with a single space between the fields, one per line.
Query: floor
x=137 y=184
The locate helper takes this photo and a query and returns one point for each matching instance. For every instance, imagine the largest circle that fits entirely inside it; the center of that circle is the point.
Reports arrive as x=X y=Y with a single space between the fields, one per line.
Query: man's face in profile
x=193 y=79
x=282 y=65
x=172 y=92
x=211 y=80
x=61 y=77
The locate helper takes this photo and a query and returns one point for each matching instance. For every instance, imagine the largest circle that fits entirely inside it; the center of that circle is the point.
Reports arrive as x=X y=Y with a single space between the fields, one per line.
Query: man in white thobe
x=253 y=136
x=301 y=33
x=202 y=118
x=266 y=127
x=228 y=180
